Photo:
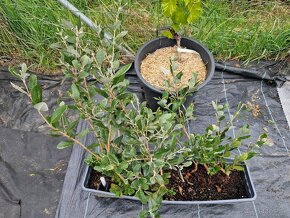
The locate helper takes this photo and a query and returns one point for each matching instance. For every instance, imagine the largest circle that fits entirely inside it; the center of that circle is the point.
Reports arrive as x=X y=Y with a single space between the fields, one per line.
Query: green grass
x=28 y=28
x=240 y=30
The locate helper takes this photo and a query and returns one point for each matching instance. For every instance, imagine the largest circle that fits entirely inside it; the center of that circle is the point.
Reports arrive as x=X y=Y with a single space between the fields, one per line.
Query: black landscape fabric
x=32 y=169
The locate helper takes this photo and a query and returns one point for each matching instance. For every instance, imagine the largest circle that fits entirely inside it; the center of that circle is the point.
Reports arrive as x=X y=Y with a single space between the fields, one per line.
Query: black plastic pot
x=251 y=193
x=152 y=92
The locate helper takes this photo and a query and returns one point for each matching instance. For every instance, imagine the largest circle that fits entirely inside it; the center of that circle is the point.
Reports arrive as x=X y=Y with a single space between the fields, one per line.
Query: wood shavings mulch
x=188 y=63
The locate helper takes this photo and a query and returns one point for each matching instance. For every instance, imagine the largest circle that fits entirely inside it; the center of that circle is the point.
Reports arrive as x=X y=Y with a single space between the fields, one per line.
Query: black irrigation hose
x=262 y=75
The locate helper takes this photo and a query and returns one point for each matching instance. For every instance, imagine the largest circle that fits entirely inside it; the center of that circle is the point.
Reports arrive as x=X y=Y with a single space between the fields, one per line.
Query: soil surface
x=95 y=182
x=152 y=67
x=197 y=185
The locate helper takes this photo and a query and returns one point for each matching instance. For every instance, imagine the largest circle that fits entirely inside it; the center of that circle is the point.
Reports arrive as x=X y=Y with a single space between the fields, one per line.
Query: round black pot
x=152 y=92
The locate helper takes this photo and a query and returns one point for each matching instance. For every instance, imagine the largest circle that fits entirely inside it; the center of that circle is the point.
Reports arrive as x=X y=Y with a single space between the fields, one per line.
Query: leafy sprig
x=180 y=12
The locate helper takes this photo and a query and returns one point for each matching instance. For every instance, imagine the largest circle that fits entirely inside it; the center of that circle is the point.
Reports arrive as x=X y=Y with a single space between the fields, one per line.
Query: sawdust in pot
x=187 y=63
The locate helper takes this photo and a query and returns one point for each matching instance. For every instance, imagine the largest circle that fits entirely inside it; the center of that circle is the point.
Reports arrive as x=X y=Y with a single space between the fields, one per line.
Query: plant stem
x=109 y=138
x=67 y=136
x=180 y=175
x=185 y=132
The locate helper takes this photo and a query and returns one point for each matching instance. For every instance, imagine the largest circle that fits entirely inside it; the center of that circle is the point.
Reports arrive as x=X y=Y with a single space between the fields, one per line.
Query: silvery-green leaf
x=64 y=144
x=122 y=34
x=76 y=64
x=75 y=92
x=55 y=46
x=23 y=71
x=164 y=70
x=116 y=64
x=174 y=66
x=109 y=36
x=23 y=68
x=67 y=24
x=18 y=88
x=41 y=106
x=85 y=60
x=101 y=55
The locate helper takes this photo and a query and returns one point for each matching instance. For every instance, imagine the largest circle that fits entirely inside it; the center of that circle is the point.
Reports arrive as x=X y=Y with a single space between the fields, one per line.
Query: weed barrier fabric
x=16 y=111
x=32 y=174
x=32 y=169
x=270 y=170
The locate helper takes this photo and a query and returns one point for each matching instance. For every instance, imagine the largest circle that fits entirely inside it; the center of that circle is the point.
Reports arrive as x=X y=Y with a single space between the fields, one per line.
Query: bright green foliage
x=135 y=146
x=180 y=12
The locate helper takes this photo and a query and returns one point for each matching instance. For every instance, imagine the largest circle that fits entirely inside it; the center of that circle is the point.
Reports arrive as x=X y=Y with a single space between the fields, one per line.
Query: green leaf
x=64 y=144
x=118 y=140
x=67 y=24
x=251 y=154
x=58 y=113
x=101 y=92
x=83 y=133
x=116 y=64
x=137 y=168
x=227 y=154
x=124 y=165
x=120 y=75
x=179 y=17
x=85 y=60
x=36 y=94
x=113 y=158
x=244 y=157
x=116 y=189
x=23 y=68
x=187 y=164
x=141 y=196
x=159 y=179
x=32 y=81
x=164 y=118
x=236 y=144
x=14 y=72
x=55 y=46
x=71 y=39
x=147 y=169
x=101 y=56
x=237 y=167
x=168 y=34
x=92 y=146
x=41 y=106
x=75 y=92
x=169 y=7
x=143 y=214
x=122 y=34
x=194 y=11
x=76 y=64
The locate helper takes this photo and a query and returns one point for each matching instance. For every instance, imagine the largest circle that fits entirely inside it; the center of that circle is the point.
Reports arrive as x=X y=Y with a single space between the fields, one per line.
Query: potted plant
x=152 y=61
x=138 y=153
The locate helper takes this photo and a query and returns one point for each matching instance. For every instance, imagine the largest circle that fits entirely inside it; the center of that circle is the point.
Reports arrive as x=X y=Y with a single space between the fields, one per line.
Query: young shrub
x=134 y=146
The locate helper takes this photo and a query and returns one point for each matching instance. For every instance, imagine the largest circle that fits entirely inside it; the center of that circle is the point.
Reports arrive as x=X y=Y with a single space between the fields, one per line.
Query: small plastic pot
x=251 y=193
x=152 y=92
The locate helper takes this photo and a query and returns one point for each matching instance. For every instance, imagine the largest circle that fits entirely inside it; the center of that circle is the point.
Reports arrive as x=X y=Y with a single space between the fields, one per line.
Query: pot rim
x=155 y=89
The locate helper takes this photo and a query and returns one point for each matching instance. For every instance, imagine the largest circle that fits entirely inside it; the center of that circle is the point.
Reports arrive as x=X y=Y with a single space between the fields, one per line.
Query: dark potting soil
x=197 y=185
x=95 y=181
